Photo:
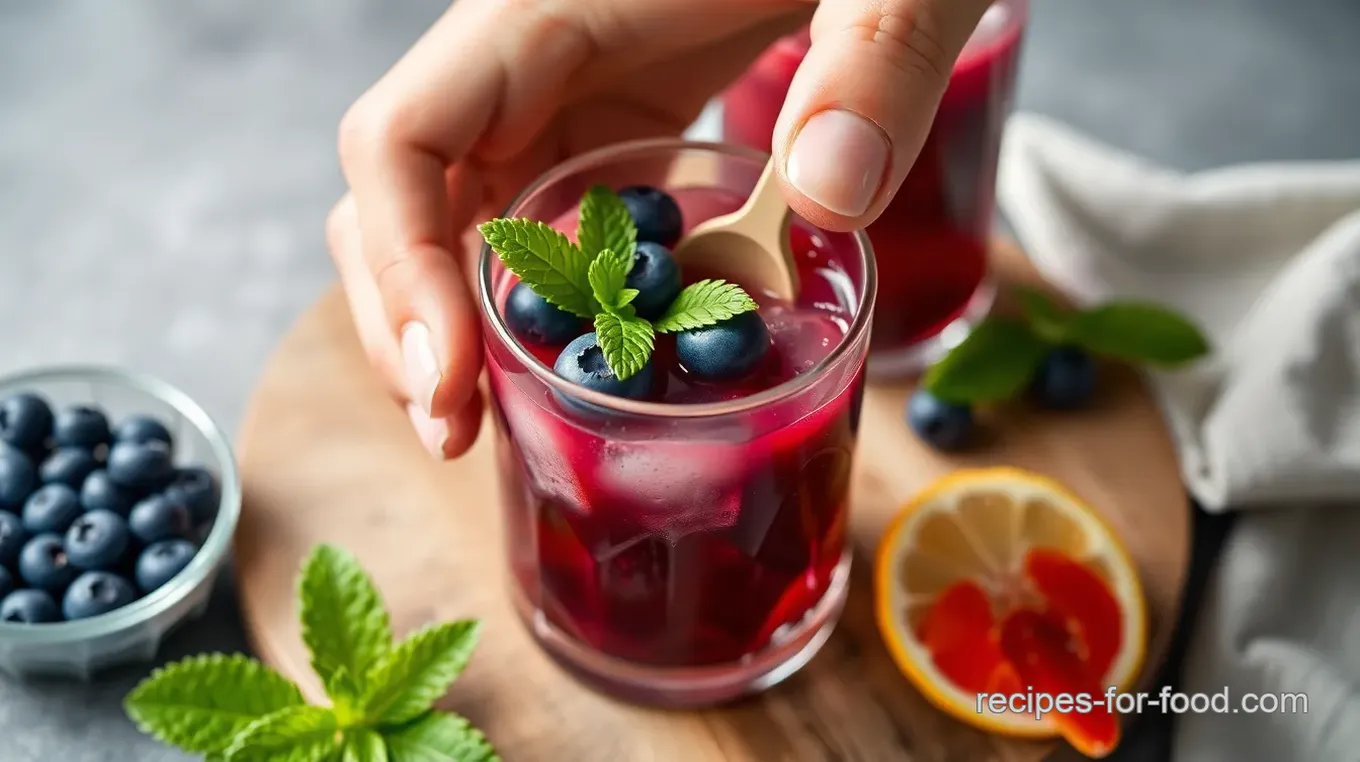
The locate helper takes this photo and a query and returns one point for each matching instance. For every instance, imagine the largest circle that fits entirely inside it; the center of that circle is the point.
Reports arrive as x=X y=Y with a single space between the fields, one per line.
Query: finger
x=862 y=102
x=451 y=436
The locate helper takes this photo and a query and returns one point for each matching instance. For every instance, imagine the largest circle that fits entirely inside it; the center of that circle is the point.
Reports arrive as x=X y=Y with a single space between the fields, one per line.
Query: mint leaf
x=704 y=303
x=413 y=675
x=608 y=273
x=545 y=260
x=1048 y=321
x=625 y=298
x=994 y=362
x=345 y=699
x=296 y=734
x=439 y=737
x=605 y=224
x=626 y=340
x=1135 y=331
x=363 y=745
x=344 y=623
x=200 y=704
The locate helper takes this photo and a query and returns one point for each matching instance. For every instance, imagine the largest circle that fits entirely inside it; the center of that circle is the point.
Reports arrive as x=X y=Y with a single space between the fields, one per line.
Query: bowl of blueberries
x=118 y=500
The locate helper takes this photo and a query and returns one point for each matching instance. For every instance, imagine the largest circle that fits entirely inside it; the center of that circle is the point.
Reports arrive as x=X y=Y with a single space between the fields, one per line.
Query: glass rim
x=210 y=553
x=634 y=148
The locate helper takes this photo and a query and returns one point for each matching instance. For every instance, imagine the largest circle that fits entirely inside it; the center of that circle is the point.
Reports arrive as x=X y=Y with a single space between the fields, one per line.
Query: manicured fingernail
x=433 y=432
x=838 y=161
x=422 y=369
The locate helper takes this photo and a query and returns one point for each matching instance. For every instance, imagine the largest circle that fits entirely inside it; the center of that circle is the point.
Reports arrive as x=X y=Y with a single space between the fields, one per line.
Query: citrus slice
x=1001 y=581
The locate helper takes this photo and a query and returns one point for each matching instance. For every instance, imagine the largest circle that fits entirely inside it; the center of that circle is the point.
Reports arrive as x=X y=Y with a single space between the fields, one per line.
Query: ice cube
x=802 y=337
x=675 y=488
x=551 y=450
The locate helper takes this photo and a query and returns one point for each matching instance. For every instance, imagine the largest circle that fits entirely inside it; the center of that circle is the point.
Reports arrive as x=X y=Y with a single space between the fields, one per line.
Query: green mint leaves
x=704 y=303
x=1000 y=357
x=589 y=279
x=231 y=708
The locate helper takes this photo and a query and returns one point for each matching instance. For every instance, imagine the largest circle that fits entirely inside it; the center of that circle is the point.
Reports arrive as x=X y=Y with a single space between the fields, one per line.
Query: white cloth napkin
x=1267 y=259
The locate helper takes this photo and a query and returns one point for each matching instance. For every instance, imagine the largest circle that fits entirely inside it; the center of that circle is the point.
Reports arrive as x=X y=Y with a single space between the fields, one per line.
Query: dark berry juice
x=931 y=242
x=690 y=551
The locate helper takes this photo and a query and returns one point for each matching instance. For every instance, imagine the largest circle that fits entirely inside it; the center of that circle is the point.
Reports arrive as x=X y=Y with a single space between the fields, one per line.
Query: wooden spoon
x=749 y=246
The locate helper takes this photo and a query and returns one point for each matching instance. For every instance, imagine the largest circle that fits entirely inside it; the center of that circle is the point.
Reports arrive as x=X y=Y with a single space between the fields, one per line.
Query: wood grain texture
x=327 y=458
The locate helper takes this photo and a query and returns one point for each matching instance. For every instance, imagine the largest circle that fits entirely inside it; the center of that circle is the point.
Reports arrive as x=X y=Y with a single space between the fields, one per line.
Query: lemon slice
x=977 y=535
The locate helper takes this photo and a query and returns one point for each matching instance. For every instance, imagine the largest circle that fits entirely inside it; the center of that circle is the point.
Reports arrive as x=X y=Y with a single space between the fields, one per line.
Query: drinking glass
x=688 y=553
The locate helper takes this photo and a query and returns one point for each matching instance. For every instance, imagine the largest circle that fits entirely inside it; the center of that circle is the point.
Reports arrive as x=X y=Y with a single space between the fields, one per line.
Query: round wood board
x=326 y=457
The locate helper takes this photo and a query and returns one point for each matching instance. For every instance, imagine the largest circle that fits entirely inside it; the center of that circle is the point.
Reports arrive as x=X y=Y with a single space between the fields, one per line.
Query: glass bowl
x=134 y=633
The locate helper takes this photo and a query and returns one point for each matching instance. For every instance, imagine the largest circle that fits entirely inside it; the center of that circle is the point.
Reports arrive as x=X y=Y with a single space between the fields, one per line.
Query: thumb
x=862 y=102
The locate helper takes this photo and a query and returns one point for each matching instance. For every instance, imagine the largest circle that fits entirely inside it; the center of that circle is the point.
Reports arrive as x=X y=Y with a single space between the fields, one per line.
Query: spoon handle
x=766 y=209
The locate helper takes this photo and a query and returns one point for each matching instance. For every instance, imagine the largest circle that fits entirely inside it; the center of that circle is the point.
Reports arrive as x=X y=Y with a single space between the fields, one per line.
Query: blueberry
x=141 y=465
x=726 y=351
x=159 y=518
x=18 y=477
x=532 y=317
x=940 y=424
x=655 y=213
x=25 y=421
x=96 y=592
x=196 y=489
x=582 y=362
x=67 y=465
x=44 y=564
x=7 y=582
x=1066 y=379
x=51 y=509
x=29 y=607
x=656 y=277
x=101 y=493
x=81 y=426
x=98 y=541
x=159 y=563
x=12 y=538
x=142 y=428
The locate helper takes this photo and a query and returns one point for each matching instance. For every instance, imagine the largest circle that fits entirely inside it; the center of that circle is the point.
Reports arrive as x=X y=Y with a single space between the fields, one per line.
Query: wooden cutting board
x=326 y=457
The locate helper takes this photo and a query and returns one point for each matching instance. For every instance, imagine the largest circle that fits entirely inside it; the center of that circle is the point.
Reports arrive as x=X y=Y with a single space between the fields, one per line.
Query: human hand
x=499 y=91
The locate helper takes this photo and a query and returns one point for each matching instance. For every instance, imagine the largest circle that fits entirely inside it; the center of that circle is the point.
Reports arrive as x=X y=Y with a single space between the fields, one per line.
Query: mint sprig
x=999 y=358
x=589 y=279
x=232 y=708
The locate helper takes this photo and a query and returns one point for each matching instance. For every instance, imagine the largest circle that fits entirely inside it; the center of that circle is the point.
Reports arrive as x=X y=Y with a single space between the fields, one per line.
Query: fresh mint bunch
x=999 y=358
x=231 y=708
x=589 y=279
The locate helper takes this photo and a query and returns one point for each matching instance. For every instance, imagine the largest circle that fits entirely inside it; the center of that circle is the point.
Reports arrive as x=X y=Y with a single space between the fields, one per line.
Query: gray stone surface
x=165 y=166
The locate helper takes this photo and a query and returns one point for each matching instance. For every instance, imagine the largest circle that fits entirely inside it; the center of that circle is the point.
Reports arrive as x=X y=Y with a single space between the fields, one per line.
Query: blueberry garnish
x=159 y=518
x=142 y=428
x=655 y=214
x=12 y=538
x=67 y=465
x=159 y=563
x=532 y=317
x=940 y=424
x=196 y=489
x=656 y=277
x=102 y=493
x=52 y=509
x=582 y=362
x=96 y=592
x=724 y=351
x=98 y=540
x=1066 y=379
x=7 y=582
x=25 y=421
x=141 y=465
x=29 y=607
x=81 y=426
x=44 y=564
x=18 y=477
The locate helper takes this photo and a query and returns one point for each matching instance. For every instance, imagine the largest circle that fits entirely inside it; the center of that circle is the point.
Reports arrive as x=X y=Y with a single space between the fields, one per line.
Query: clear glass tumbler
x=684 y=550
x=932 y=241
